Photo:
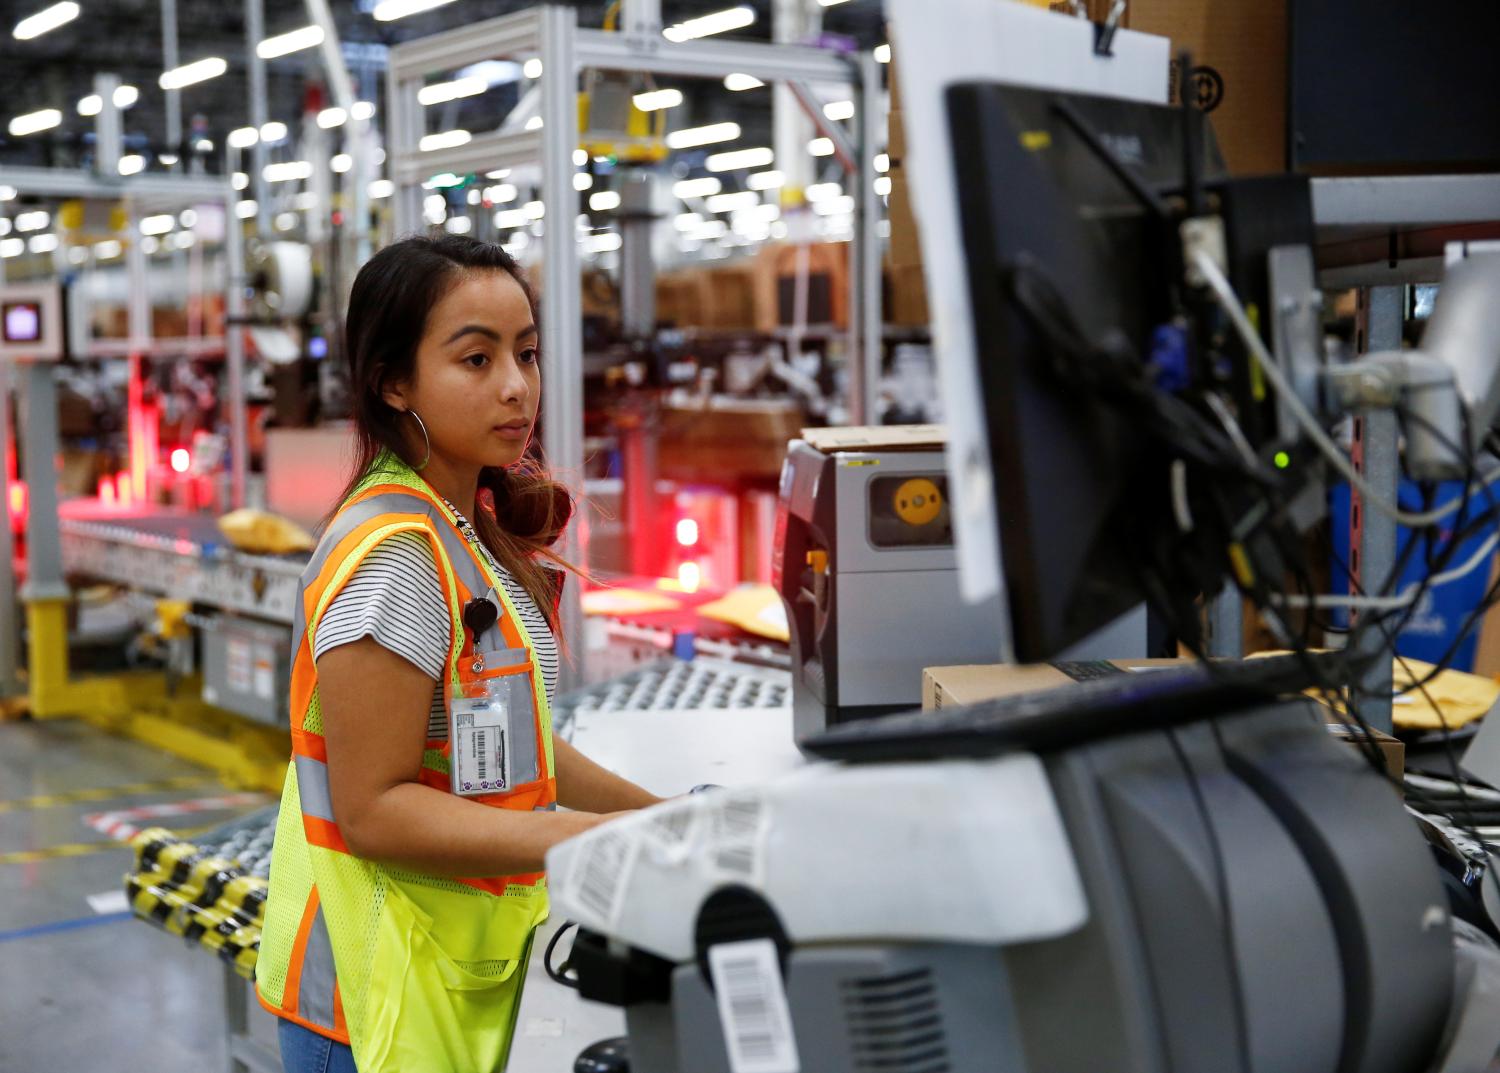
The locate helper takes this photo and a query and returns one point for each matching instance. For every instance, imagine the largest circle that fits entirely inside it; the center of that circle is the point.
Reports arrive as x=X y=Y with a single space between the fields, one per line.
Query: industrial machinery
x=865 y=565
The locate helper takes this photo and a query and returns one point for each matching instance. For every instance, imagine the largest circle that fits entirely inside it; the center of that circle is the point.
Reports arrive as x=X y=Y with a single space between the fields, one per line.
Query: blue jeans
x=304 y=1051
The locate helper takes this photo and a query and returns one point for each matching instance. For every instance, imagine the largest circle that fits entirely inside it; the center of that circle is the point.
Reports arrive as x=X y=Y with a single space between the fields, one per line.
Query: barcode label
x=752 y=1007
x=481 y=744
x=739 y=824
x=602 y=872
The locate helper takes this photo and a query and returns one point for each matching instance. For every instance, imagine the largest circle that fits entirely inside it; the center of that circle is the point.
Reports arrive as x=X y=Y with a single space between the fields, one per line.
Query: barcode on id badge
x=752 y=1007
x=481 y=746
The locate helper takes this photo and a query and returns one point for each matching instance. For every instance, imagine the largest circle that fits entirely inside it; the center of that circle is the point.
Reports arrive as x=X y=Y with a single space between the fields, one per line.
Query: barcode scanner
x=479 y=615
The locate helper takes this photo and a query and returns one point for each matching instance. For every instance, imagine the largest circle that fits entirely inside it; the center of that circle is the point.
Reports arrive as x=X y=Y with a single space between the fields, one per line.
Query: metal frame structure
x=552 y=34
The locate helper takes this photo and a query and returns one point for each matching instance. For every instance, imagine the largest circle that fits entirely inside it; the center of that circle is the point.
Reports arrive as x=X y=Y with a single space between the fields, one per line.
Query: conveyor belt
x=178 y=555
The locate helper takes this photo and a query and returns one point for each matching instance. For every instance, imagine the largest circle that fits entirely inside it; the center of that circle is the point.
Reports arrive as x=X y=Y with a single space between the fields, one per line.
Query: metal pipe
x=255 y=32
x=169 y=61
x=361 y=141
x=234 y=358
x=864 y=269
x=109 y=137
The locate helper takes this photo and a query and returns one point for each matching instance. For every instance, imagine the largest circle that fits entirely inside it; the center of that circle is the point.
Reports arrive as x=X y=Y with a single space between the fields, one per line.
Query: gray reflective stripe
x=312 y=788
x=545 y=808
x=315 y=992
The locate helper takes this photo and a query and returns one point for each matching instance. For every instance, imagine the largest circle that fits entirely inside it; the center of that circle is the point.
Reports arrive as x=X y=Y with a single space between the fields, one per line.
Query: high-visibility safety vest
x=415 y=972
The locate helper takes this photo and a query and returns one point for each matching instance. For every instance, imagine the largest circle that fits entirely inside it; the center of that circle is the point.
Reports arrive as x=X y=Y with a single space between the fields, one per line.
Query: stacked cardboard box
x=906 y=297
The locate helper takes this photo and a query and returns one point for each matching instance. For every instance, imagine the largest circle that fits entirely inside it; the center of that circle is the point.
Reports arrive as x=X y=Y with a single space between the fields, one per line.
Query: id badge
x=479 y=738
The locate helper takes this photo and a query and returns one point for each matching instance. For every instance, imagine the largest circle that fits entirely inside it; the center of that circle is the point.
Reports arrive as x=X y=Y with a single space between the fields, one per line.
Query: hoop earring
x=425 y=439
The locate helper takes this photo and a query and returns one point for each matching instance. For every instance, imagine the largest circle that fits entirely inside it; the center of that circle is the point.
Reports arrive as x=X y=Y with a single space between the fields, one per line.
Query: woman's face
x=476 y=384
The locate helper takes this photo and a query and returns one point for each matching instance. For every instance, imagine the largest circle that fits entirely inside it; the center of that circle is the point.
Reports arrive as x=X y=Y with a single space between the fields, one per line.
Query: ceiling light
x=184 y=239
x=458 y=225
x=45 y=20
x=658 y=99
x=711 y=229
x=362 y=110
x=534 y=123
x=882 y=53
x=535 y=210
x=93 y=104
x=443 y=180
x=157 y=225
x=839 y=110
x=605 y=243
x=688 y=221
x=33 y=221
x=5 y=226
x=739 y=159
x=108 y=249
x=834 y=206
x=502 y=173
x=697 y=187
x=243 y=137
x=882 y=162
x=341 y=163
x=188 y=74
x=43 y=244
x=35 y=122
x=272 y=132
x=741 y=82
x=329 y=118
x=125 y=96
x=7 y=193
x=706 y=25
x=287 y=43
x=149 y=245
x=286 y=171
x=604 y=201
x=823 y=191
x=306 y=201
x=831 y=3
x=286 y=221
x=246 y=209
x=766 y=180
x=131 y=164
x=239 y=180
x=744 y=199
x=820 y=147
x=883 y=185
x=448 y=139
x=435 y=208
x=582 y=181
x=387 y=10
x=204 y=145
x=166 y=160
x=503 y=194
x=188 y=218
x=442 y=92
x=12 y=247
x=382 y=188
x=695 y=136
x=532 y=68
x=506 y=219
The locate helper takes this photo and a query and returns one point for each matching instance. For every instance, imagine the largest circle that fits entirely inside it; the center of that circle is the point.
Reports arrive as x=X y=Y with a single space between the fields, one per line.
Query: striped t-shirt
x=394 y=597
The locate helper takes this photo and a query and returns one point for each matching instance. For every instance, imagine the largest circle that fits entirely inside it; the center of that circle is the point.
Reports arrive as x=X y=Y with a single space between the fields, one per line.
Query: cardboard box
x=835 y=440
x=827 y=285
x=734 y=440
x=1239 y=76
x=949 y=687
x=906 y=244
x=731 y=296
x=906 y=299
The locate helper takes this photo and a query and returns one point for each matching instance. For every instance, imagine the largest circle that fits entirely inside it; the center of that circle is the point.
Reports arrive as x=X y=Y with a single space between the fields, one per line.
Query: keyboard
x=1096 y=707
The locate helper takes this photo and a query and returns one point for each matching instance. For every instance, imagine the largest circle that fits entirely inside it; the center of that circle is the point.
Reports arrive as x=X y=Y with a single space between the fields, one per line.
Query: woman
x=422 y=748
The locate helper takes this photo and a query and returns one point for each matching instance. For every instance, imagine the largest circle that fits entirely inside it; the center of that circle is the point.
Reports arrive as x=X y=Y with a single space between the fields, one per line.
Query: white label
x=602 y=872
x=111 y=901
x=480 y=754
x=265 y=672
x=238 y=665
x=738 y=840
x=752 y=1007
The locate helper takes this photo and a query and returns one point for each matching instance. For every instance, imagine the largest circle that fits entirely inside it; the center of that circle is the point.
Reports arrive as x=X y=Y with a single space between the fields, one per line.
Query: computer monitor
x=1055 y=192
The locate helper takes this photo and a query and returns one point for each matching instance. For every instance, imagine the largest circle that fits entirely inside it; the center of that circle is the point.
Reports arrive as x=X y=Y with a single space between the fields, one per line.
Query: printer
x=865 y=564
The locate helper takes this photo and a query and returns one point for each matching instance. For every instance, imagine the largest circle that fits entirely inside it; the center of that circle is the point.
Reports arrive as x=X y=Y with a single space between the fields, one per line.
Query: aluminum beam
x=500 y=38
x=712 y=59
x=485 y=152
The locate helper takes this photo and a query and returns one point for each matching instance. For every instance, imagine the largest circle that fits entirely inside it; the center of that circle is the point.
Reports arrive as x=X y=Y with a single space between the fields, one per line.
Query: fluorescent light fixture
x=246 y=209
x=605 y=243
x=711 y=229
x=741 y=158
x=45 y=20
x=243 y=137
x=506 y=219
x=448 y=139
x=697 y=187
x=188 y=218
x=272 y=132
x=7 y=193
x=882 y=53
x=839 y=110
x=286 y=171
x=823 y=191
x=882 y=162
x=33 y=221
x=458 y=225
x=502 y=194
x=305 y=201
x=532 y=68
x=657 y=99
x=831 y=3
x=77 y=255
x=442 y=180
x=292 y=41
x=474 y=196
x=362 y=110
x=768 y=212
x=108 y=249
x=341 y=163
x=387 y=10
x=883 y=185
x=535 y=123
x=718 y=22
x=12 y=247
x=5 y=226
x=157 y=225
x=744 y=199
x=286 y=221
x=689 y=137
x=435 y=208
x=35 y=122
x=834 y=206
x=501 y=173
x=382 y=188
x=535 y=210
x=93 y=104
x=149 y=246
x=329 y=118
x=820 y=147
x=239 y=180
x=443 y=92
x=43 y=243
x=167 y=159
x=766 y=180
x=183 y=239
x=204 y=145
x=580 y=157
x=738 y=83
x=688 y=221
x=125 y=96
x=604 y=201
x=190 y=73
x=582 y=181
x=131 y=164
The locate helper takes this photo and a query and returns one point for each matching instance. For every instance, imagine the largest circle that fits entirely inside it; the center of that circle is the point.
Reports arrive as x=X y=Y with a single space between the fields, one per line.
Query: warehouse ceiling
x=124 y=37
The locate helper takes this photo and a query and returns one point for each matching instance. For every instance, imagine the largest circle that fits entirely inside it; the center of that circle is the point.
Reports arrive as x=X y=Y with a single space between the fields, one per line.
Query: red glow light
x=181 y=460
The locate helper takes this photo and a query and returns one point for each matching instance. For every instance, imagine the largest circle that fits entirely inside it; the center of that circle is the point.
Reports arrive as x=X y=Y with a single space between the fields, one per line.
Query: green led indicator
x=1282 y=460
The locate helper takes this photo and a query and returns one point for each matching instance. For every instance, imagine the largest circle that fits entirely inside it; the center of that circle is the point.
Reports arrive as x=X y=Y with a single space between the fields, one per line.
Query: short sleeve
x=395 y=598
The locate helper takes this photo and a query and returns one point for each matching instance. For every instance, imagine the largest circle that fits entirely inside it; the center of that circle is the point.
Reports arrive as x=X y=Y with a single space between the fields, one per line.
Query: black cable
x=559 y=974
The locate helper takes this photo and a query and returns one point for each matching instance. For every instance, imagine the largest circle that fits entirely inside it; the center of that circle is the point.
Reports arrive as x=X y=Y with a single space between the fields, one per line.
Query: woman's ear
x=394 y=394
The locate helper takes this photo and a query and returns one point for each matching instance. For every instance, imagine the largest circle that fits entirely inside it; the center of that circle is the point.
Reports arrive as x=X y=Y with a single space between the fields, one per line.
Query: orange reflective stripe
x=323 y=833
x=499 y=884
x=313 y=745
x=338 y=1013
x=293 y=986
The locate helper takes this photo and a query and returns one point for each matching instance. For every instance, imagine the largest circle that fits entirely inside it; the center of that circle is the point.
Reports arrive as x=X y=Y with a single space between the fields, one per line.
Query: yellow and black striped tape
x=105 y=793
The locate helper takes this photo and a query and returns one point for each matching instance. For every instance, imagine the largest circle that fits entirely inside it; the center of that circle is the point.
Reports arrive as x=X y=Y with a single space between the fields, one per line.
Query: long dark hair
x=526 y=511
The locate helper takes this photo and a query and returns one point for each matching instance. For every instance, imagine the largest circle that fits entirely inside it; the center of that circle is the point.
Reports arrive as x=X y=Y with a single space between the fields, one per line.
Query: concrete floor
x=81 y=991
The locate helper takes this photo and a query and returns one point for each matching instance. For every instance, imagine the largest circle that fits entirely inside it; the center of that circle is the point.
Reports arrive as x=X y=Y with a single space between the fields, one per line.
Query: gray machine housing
x=1259 y=902
x=862 y=632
